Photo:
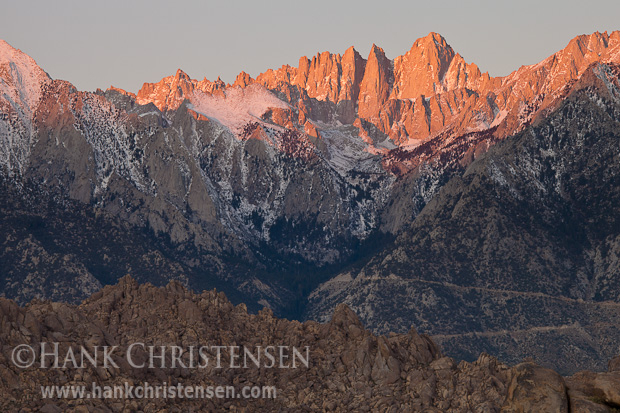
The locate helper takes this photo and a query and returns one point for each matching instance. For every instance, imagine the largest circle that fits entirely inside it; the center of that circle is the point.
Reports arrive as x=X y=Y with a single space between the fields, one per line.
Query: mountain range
x=421 y=192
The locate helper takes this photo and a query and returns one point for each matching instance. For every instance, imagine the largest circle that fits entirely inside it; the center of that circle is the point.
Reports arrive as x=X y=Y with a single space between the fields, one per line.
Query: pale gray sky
x=125 y=43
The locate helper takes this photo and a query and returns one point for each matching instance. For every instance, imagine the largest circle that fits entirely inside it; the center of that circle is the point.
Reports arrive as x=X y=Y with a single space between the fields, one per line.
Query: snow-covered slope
x=235 y=107
x=21 y=77
x=21 y=83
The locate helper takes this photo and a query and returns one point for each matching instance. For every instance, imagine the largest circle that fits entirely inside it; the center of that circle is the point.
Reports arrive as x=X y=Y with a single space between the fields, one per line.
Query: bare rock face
x=243 y=79
x=614 y=364
x=376 y=84
x=353 y=66
x=321 y=76
x=167 y=94
x=432 y=67
x=601 y=389
x=352 y=73
x=171 y=91
x=535 y=389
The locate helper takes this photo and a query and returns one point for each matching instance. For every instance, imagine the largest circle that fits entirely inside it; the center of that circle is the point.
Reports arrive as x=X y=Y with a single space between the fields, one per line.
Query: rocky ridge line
x=429 y=91
x=350 y=368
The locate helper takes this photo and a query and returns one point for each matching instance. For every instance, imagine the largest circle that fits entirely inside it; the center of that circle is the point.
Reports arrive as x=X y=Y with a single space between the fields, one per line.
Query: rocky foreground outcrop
x=349 y=368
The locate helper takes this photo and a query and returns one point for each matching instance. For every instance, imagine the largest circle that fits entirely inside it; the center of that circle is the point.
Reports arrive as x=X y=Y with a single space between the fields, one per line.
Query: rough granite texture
x=350 y=369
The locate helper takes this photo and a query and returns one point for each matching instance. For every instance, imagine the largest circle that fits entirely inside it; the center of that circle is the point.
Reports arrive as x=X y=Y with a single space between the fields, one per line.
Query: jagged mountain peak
x=376 y=52
x=171 y=91
x=593 y=41
x=376 y=84
x=433 y=49
x=432 y=67
x=9 y=53
x=583 y=49
x=350 y=50
x=180 y=74
x=243 y=79
x=434 y=40
x=614 y=38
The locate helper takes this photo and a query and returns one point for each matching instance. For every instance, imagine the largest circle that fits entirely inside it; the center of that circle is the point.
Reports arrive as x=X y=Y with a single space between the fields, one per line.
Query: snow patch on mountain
x=103 y=127
x=236 y=106
x=346 y=152
x=605 y=73
x=21 y=78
